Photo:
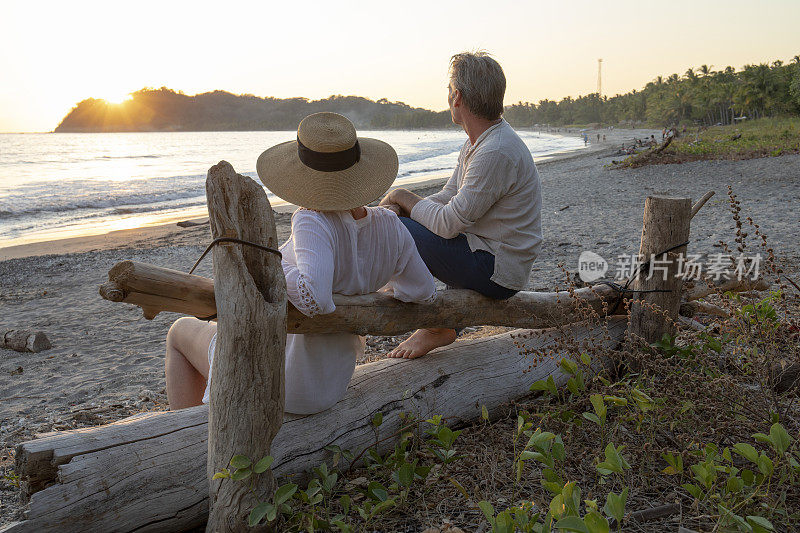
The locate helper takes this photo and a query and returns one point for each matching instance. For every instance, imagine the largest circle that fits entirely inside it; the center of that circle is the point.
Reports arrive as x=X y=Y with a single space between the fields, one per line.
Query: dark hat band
x=328 y=161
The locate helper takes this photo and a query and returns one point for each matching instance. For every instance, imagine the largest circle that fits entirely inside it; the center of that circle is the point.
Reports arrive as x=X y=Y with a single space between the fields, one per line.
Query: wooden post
x=666 y=224
x=247 y=380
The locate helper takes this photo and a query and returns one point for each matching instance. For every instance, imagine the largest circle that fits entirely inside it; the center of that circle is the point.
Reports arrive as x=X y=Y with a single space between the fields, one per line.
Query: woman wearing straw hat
x=337 y=246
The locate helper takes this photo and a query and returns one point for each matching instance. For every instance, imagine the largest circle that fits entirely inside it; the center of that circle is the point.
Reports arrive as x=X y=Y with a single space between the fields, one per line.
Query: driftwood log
x=21 y=340
x=148 y=472
x=666 y=225
x=157 y=289
x=248 y=375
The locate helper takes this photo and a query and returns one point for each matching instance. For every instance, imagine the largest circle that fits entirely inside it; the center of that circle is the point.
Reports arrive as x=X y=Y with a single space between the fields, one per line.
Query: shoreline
x=168 y=228
x=119 y=238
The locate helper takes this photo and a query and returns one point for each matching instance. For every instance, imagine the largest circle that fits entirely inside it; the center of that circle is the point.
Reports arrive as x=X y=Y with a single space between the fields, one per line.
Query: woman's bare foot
x=422 y=342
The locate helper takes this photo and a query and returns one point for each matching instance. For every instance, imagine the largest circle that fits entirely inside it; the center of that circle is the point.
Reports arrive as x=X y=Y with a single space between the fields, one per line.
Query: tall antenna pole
x=599 y=78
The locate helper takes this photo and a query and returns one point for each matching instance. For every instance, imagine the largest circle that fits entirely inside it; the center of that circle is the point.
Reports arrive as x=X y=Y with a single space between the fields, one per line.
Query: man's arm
x=401 y=201
x=486 y=180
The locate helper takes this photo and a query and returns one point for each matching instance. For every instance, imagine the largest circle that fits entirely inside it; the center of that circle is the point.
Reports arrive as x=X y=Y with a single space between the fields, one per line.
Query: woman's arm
x=309 y=283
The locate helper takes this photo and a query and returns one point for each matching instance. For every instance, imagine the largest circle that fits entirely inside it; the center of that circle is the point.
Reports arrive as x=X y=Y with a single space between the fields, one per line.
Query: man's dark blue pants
x=452 y=261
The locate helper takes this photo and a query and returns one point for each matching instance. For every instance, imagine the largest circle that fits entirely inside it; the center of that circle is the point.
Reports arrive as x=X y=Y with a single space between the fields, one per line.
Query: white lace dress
x=331 y=253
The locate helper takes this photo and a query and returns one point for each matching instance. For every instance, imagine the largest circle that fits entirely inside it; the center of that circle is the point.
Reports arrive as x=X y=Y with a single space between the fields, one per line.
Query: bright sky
x=54 y=54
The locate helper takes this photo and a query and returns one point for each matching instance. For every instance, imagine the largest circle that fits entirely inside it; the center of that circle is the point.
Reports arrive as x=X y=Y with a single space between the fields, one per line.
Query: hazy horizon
x=92 y=49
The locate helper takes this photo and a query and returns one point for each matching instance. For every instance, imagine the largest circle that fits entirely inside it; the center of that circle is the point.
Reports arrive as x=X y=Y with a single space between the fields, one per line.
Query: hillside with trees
x=168 y=110
x=701 y=96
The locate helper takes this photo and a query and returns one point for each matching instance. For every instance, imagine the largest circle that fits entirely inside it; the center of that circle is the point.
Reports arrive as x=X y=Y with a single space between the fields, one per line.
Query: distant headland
x=702 y=96
x=168 y=110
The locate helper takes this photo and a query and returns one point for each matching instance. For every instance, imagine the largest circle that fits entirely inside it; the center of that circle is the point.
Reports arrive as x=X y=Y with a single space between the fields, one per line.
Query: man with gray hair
x=483 y=230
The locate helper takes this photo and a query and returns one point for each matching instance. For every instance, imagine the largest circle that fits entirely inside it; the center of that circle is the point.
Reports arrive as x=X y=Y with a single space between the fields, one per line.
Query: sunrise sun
x=117 y=98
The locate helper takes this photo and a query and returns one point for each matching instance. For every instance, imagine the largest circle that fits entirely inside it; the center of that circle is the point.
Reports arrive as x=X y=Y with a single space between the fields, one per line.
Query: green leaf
x=259 y=512
x=593 y=418
x=488 y=511
x=586 y=359
x=727 y=517
x=242 y=473
x=539 y=385
x=541 y=440
x=780 y=438
x=240 y=461
x=746 y=451
x=694 y=490
x=484 y=413
x=748 y=477
x=376 y=491
x=616 y=400
x=568 y=366
x=557 y=449
x=261 y=466
x=343 y=528
x=760 y=524
x=223 y=474
x=552 y=487
x=382 y=506
x=615 y=505
x=284 y=493
x=572 y=523
x=557 y=507
x=765 y=465
x=405 y=474
x=551 y=386
x=504 y=523
x=345 y=501
x=599 y=405
x=572 y=386
x=377 y=420
x=596 y=523
x=734 y=484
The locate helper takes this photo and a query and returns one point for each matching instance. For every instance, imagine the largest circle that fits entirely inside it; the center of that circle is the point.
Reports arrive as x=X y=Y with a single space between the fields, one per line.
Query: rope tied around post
x=622 y=290
x=219 y=240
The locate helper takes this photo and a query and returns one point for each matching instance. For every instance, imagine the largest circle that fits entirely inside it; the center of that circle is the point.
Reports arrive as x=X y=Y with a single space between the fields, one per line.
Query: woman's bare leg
x=186 y=363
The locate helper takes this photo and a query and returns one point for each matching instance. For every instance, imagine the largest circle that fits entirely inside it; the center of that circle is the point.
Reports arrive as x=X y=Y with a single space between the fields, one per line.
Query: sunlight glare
x=117 y=99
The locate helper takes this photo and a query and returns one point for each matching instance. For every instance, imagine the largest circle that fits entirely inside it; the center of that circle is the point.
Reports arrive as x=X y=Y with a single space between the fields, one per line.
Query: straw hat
x=328 y=168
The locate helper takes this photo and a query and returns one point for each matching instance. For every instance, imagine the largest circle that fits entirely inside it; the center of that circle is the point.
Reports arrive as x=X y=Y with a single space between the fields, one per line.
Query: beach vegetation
x=697 y=430
x=765 y=137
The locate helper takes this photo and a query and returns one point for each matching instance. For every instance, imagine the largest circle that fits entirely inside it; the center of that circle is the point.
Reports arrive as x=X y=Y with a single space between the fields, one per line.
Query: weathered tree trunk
x=248 y=372
x=147 y=473
x=162 y=289
x=666 y=224
x=22 y=340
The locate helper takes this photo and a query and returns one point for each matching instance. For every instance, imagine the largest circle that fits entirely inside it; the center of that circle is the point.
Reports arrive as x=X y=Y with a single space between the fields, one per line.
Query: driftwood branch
x=701 y=202
x=702 y=289
x=157 y=289
x=21 y=340
x=148 y=472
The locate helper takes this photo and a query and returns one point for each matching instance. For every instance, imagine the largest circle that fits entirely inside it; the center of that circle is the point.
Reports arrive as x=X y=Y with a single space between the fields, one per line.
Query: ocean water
x=59 y=185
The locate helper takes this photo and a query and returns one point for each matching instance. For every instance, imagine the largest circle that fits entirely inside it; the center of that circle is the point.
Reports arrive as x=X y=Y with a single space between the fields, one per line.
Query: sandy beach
x=107 y=361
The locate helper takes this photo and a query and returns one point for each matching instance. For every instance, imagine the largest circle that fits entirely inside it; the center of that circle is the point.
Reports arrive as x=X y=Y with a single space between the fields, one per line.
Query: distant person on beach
x=483 y=230
x=330 y=229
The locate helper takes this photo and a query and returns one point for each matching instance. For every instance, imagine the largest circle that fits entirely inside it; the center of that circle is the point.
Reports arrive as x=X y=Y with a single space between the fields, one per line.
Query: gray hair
x=481 y=82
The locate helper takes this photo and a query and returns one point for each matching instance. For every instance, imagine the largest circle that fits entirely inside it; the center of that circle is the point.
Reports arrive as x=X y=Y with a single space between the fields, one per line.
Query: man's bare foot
x=422 y=342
